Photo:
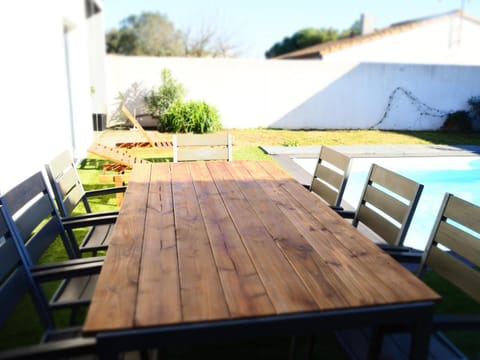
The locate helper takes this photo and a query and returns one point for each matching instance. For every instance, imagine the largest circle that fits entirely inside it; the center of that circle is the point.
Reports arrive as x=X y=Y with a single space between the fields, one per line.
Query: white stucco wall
x=309 y=93
x=448 y=41
x=35 y=123
x=97 y=81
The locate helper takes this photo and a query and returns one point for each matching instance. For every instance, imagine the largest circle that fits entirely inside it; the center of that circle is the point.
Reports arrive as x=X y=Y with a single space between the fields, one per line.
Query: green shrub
x=192 y=116
x=458 y=121
x=160 y=100
x=474 y=103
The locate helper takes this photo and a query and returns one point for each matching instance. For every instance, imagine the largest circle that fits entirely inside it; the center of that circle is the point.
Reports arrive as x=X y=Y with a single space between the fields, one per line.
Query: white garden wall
x=308 y=93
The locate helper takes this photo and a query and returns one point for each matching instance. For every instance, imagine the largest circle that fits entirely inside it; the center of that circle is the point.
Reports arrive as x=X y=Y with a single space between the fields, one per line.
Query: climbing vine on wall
x=421 y=109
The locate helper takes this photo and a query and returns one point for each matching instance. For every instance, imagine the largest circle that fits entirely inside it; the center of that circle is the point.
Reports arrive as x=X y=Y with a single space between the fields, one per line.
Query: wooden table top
x=207 y=241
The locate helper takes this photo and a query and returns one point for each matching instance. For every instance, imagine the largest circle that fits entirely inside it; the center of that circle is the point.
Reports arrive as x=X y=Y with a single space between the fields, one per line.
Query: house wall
x=308 y=93
x=43 y=112
x=451 y=40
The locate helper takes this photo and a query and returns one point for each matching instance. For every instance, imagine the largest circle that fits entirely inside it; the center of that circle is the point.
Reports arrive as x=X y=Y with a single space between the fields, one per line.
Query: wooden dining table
x=212 y=251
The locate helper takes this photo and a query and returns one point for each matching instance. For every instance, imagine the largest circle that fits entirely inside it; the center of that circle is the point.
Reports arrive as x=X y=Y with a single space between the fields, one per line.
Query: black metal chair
x=18 y=282
x=36 y=224
x=452 y=253
x=69 y=193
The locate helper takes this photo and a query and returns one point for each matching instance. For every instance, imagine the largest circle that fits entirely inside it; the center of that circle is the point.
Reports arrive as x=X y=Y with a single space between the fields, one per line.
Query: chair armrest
x=402 y=254
x=69 y=262
x=53 y=350
x=406 y=257
x=105 y=191
x=67 y=271
x=446 y=322
x=397 y=248
x=346 y=214
x=73 y=222
x=90 y=215
x=336 y=208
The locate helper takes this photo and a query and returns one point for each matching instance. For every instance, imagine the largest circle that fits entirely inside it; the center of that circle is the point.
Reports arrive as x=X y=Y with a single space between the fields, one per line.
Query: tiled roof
x=317 y=51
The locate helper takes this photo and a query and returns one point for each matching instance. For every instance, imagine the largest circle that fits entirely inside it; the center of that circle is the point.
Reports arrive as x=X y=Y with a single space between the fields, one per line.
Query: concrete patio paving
x=378 y=150
x=283 y=155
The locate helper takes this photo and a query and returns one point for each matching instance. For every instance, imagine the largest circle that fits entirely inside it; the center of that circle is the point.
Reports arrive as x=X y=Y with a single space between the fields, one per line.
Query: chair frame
x=17 y=281
x=69 y=193
x=455 y=210
x=198 y=147
x=455 y=261
x=387 y=205
x=35 y=222
x=331 y=176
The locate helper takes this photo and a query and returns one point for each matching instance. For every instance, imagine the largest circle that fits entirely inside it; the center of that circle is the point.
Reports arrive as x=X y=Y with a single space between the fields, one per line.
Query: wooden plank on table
x=400 y=285
x=325 y=271
x=244 y=291
x=285 y=289
x=159 y=268
x=201 y=289
x=114 y=301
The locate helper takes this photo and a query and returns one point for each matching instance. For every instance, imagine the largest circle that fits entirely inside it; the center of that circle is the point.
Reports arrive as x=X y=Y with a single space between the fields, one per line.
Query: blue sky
x=253 y=26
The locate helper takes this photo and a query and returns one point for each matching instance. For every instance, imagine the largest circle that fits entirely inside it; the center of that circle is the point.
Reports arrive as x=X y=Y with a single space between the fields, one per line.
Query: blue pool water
x=457 y=175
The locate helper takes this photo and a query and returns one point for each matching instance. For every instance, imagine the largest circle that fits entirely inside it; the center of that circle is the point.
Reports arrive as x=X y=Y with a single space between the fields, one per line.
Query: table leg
x=421 y=335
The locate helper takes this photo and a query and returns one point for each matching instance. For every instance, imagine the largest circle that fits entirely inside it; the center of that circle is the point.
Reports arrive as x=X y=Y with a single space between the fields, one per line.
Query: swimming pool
x=457 y=175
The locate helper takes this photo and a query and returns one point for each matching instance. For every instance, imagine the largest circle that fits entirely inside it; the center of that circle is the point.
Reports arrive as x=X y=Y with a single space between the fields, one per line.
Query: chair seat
x=395 y=346
x=97 y=238
x=75 y=291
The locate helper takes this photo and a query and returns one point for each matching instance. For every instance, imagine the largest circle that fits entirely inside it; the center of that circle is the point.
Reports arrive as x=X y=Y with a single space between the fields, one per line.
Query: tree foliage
x=152 y=34
x=207 y=41
x=308 y=37
x=147 y=34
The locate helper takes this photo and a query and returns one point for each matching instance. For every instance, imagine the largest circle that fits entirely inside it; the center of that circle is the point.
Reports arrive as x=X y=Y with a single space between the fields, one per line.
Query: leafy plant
x=158 y=101
x=458 y=121
x=474 y=103
x=192 y=116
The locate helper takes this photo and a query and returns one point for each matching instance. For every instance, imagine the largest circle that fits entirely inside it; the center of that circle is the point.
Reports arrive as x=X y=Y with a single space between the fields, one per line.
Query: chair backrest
x=35 y=218
x=453 y=250
x=387 y=204
x=66 y=184
x=15 y=279
x=331 y=175
x=191 y=147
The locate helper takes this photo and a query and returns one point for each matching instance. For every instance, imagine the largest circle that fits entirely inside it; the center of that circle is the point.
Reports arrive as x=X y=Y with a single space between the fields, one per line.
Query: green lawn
x=246 y=142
